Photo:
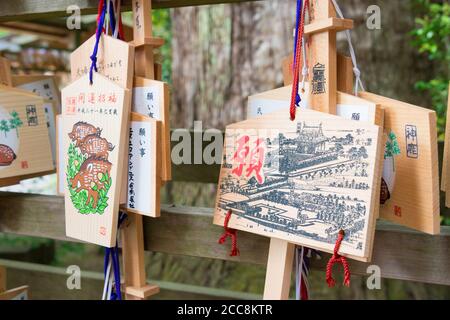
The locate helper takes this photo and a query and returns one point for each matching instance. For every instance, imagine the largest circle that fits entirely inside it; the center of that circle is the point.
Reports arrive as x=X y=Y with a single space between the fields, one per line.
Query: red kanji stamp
x=398 y=211
x=24 y=164
x=252 y=159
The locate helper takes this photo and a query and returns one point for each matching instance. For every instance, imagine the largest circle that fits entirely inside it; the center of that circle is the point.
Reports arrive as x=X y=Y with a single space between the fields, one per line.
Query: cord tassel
x=298 y=44
x=337 y=258
x=232 y=233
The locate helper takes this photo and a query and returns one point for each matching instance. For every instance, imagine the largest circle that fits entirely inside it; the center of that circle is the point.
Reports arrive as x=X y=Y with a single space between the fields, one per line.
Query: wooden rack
x=399 y=252
x=189 y=231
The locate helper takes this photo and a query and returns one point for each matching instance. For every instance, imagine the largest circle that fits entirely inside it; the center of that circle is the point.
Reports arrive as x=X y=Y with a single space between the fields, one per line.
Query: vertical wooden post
x=142 y=32
x=132 y=231
x=322 y=65
x=323 y=85
x=445 y=180
x=279 y=270
x=323 y=56
x=2 y=279
x=345 y=76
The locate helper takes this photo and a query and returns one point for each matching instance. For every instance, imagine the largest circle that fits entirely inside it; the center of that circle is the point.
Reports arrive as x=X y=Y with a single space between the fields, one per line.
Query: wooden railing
x=39 y=9
x=399 y=252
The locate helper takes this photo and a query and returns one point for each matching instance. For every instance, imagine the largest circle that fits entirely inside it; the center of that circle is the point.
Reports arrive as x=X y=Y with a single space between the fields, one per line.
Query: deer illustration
x=89 y=176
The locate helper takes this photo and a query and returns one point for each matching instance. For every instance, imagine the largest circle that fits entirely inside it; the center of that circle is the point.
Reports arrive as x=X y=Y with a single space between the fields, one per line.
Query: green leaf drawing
x=392 y=147
x=79 y=199
x=4 y=126
x=11 y=124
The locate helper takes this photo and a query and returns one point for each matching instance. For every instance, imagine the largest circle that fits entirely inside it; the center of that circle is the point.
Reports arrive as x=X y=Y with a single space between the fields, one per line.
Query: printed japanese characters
x=151 y=98
x=93 y=133
x=302 y=181
x=24 y=140
x=144 y=166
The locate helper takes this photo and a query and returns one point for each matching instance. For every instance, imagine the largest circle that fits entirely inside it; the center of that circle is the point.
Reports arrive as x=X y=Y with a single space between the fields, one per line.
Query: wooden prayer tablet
x=19 y=293
x=46 y=87
x=348 y=106
x=94 y=138
x=24 y=140
x=144 y=166
x=151 y=98
x=114 y=60
x=5 y=72
x=445 y=166
x=414 y=201
x=60 y=165
x=42 y=85
x=302 y=181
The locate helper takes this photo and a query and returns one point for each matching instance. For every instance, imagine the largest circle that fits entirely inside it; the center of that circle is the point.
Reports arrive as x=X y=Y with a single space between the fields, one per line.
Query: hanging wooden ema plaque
x=24 y=140
x=94 y=140
x=301 y=176
x=113 y=59
x=144 y=166
x=348 y=106
x=151 y=98
x=445 y=166
x=43 y=85
x=414 y=201
x=46 y=87
x=302 y=181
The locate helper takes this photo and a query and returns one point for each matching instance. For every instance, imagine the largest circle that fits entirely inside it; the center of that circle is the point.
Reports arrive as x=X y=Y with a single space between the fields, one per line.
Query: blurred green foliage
x=432 y=38
x=11 y=240
x=162 y=27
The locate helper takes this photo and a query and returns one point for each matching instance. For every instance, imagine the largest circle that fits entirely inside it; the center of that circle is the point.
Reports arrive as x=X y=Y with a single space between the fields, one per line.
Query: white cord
x=105 y=285
x=108 y=297
x=305 y=64
x=117 y=14
x=356 y=71
x=107 y=17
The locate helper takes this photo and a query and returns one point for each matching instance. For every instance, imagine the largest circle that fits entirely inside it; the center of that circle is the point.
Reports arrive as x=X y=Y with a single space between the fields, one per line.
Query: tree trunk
x=224 y=53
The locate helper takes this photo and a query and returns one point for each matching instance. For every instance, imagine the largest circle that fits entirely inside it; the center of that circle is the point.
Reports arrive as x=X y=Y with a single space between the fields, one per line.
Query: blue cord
x=297 y=30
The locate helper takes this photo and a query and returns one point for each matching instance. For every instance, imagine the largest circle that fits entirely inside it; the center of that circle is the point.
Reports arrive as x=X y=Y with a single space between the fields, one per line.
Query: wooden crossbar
x=399 y=252
x=41 y=9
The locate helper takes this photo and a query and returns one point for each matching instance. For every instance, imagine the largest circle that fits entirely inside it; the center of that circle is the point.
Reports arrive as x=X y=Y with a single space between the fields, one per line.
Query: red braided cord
x=121 y=34
x=100 y=9
x=298 y=49
x=337 y=258
x=303 y=290
x=232 y=233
